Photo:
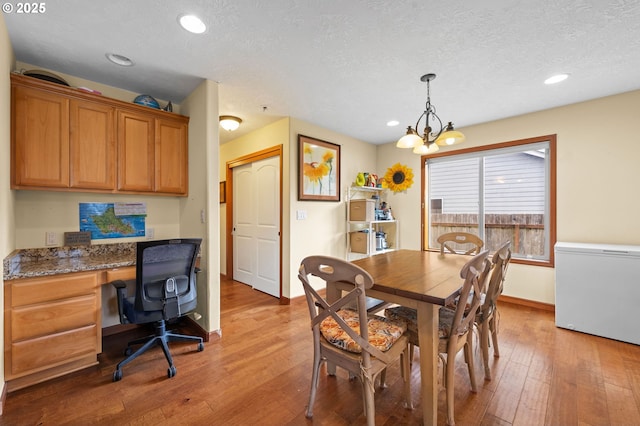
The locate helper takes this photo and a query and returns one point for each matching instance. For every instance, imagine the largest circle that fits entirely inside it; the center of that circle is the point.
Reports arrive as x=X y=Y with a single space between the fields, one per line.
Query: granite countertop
x=39 y=262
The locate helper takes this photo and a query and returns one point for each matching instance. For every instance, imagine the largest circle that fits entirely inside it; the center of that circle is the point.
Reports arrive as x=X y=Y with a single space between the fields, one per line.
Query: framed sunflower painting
x=318 y=170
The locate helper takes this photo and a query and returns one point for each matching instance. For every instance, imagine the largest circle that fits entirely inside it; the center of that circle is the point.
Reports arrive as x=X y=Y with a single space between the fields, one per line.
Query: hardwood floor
x=259 y=374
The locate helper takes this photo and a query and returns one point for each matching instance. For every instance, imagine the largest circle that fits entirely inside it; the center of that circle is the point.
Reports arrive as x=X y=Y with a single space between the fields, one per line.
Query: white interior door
x=256 y=225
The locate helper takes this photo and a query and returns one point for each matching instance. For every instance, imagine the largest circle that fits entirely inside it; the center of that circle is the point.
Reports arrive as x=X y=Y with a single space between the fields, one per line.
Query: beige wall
x=269 y=136
x=596 y=177
x=201 y=106
x=7 y=235
x=324 y=229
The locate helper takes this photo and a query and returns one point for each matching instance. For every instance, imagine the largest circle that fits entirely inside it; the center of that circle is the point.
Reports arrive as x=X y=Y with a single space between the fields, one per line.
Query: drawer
x=54 y=317
x=37 y=290
x=38 y=354
x=128 y=273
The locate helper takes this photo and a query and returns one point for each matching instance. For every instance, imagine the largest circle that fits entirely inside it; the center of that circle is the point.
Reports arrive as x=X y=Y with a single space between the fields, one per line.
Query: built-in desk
x=53 y=308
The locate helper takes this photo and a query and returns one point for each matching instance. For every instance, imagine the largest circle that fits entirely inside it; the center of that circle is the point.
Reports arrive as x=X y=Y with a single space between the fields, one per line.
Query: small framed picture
x=223 y=192
x=318 y=170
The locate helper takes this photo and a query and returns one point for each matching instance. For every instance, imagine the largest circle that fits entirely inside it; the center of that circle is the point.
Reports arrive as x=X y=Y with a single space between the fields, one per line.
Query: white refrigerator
x=598 y=289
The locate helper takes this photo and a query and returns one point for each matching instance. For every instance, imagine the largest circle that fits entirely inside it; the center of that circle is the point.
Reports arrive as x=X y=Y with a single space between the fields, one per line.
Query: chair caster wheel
x=128 y=351
x=171 y=371
x=117 y=375
x=200 y=347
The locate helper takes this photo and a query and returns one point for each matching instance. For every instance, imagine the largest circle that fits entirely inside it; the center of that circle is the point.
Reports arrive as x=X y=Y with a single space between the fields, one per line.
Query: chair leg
x=317 y=360
x=369 y=404
x=449 y=379
x=406 y=376
x=484 y=345
x=494 y=336
x=468 y=350
x=383 y=379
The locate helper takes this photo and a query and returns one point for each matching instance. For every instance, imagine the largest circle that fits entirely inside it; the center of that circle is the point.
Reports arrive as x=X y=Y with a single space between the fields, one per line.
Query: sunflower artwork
x=398 y=178
x=319 y=164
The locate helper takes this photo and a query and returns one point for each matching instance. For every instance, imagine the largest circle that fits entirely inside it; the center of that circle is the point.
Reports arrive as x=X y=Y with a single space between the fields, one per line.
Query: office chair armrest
x=121 y=293
x=119 y=284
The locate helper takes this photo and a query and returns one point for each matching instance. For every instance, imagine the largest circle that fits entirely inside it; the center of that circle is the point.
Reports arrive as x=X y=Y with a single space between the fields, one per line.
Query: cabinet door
x=135 y=152
x=171 y=156
x=92 y=145
x=40 y=138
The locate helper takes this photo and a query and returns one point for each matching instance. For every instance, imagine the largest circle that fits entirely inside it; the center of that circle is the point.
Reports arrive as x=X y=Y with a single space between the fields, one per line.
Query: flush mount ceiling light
x=229 y=122
x=119 y=59
x=556 y=78
x=428 y=141
x=192 y=23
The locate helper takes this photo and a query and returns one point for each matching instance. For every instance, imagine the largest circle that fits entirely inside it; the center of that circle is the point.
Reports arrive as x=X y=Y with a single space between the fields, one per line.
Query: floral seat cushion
x=410 y=316
x=383 y=332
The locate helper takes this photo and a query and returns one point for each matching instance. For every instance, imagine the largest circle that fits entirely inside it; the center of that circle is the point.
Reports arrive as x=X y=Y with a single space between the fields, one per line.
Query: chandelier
x=428 y=141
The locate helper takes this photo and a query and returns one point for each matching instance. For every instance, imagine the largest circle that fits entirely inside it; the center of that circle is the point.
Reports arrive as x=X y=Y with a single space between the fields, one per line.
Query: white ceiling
x=349 y=66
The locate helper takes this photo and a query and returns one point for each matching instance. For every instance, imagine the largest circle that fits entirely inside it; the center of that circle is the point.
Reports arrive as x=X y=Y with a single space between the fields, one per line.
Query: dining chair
x=486 y=318
x=455 y=326
x=452 y=242
x=362 y=344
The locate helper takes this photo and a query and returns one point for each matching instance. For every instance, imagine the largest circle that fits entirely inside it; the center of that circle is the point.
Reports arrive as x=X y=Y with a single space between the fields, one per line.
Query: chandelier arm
x=417 y=128
x=435 y=136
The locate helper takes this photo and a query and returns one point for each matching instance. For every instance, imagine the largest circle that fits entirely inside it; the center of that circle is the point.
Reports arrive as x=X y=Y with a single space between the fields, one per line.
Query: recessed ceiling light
x=392 y=123
x=556 y=78
x=119 y=59
x=192 y=23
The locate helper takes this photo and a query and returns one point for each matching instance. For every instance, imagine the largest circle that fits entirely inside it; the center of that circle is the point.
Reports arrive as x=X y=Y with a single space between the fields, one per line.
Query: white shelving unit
x=389 y=227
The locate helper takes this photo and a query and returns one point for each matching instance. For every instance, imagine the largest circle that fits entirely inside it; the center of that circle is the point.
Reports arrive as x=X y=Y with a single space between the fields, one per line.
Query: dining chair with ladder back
x=487 y=316
x=361 y=343
x=460 y=243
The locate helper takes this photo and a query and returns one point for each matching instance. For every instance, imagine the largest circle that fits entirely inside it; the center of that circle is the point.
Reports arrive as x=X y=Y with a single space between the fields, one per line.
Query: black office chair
x=165 y=289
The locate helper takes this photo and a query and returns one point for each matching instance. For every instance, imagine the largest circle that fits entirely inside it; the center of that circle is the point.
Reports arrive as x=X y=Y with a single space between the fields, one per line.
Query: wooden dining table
x=422 y=280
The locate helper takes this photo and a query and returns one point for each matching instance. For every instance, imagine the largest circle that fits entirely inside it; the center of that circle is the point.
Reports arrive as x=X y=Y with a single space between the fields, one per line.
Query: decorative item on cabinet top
x=150 y=101
x=146 y=100
x=46 y=75
x=367 y=179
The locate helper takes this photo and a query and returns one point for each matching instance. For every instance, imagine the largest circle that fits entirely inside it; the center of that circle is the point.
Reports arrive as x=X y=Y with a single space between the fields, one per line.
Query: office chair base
x=162 y=339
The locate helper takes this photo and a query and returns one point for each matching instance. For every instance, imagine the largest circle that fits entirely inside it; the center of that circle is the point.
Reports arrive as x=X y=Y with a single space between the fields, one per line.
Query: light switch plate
x=51 y=239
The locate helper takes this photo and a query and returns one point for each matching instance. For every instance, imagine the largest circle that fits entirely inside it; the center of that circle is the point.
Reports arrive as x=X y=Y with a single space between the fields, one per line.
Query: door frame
x=275 y=151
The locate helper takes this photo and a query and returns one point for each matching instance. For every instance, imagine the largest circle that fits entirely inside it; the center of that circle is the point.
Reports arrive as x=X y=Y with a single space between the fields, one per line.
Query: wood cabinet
x=153 y=154
x=171 y=156
x=40 y=142
x=67 y=139
x=92 y=145
x=52 y=327
x=135 y=151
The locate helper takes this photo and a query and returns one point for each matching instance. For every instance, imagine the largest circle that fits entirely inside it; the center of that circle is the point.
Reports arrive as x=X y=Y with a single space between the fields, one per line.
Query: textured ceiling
x=349 y=66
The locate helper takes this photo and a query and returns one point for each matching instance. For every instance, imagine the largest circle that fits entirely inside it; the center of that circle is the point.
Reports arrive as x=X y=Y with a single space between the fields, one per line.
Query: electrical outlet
x=150 y=233
x=50 y=239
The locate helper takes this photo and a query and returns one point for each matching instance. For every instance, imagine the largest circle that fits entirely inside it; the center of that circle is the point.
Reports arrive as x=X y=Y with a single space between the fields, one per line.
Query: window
x=499 y=192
